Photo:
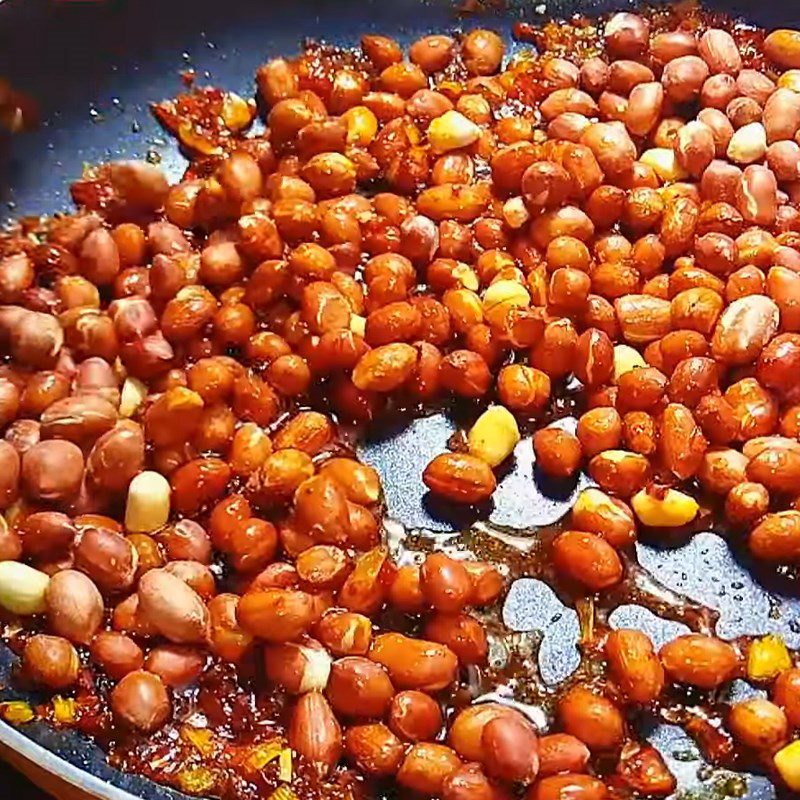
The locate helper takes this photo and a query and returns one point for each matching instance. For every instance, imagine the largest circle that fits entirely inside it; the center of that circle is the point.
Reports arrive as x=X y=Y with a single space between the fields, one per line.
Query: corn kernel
x=504 y=294
x=147 y=508
x=767 y=657
x=64 y=709
x=358 y=324
x=285 y=765
x=663 y=161
x=515 y=213
x=626 y=358
x=790 y=80
x=16 y=712
x=22 y=588
x=262 y=754
x=787 y=762
x=664 y=510
x=494 y=435
x=196 y=780
x=283 y=793
x=362 y=125
x=452 y=131
x=202 y=739
x=133 y=394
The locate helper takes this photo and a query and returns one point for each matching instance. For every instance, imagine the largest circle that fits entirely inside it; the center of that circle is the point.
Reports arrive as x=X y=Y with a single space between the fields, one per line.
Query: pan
x=93 y=67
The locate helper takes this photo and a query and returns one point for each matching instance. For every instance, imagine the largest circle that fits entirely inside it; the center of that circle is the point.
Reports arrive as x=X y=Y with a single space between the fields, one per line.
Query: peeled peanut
x=452 y=131
x=493 y=436
x=748 y=144
x=22 y=588
x=664 y=508
x=133 y=395
x=665 y=163
x=787 y=759
x=148 y=504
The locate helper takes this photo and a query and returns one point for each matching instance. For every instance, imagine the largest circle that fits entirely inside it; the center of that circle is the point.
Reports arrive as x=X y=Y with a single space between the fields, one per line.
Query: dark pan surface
x=94 y=66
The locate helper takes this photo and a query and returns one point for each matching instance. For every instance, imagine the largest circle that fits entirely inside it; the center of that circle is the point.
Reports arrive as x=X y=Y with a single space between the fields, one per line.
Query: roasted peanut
x=702 y=661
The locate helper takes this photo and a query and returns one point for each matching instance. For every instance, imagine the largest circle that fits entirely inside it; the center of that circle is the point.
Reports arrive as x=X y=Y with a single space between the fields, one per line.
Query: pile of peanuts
x=175 y=490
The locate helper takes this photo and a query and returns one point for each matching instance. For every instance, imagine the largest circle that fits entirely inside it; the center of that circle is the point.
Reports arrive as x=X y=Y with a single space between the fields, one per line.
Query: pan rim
x=78 y=778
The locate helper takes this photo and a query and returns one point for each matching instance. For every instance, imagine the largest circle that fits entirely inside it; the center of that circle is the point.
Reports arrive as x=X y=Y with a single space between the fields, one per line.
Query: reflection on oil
x=538 y=639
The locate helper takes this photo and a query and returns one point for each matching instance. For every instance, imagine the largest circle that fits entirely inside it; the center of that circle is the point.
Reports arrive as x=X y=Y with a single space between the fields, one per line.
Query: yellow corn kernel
x=196 y=780
x=16 y=712
x=626 y=358
x=787 y=762
x=285 y=765
x=147 y=508
x=504 y=294
x=452 y=131
x=362 y=125
x=133 y=395
x=262 y=754
x=494 y=435
x=664 y=163
x=22 y=588
x=790 y=80
x=767 y=657
x=283 y=793
x=358 y=324
x=202 y=739
x=667 y=509
x=64 y=709
x=748 y=144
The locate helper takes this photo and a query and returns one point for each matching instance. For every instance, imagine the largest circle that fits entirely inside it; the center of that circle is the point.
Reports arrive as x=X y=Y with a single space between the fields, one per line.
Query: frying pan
x=93 y=67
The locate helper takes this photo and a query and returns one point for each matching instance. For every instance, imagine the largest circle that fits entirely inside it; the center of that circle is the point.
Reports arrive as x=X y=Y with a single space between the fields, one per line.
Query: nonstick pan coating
x=93 y=67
